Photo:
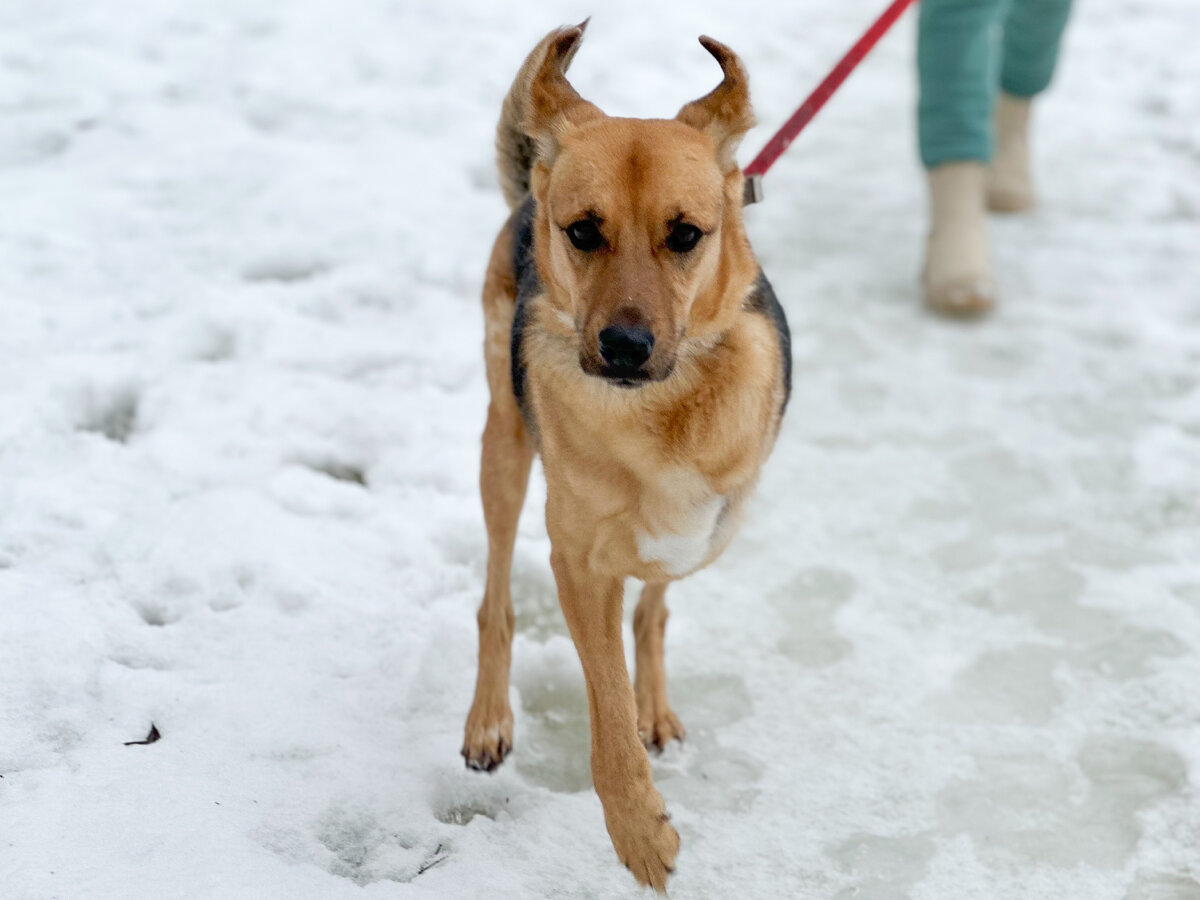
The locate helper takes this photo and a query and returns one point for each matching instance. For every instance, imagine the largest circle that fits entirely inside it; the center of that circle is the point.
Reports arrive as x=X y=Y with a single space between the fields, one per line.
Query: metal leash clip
x=752 y=190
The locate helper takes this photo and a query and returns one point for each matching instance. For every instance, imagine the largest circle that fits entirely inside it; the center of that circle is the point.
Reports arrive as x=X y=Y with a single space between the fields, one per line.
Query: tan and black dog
x=633 y=341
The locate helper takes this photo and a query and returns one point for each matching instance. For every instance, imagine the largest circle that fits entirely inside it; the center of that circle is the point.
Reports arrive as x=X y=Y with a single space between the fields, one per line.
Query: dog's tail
x=515 y=149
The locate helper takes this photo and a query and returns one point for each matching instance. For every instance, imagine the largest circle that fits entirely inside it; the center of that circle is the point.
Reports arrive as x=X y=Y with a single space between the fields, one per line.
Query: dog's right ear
x=554 y=106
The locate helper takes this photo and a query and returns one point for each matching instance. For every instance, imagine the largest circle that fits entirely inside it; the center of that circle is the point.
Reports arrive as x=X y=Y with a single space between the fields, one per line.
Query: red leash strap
x=810 y=107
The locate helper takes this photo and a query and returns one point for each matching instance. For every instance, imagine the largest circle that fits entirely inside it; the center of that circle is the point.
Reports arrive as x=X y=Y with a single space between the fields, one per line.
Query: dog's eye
x=683 y=237
x=585 y=235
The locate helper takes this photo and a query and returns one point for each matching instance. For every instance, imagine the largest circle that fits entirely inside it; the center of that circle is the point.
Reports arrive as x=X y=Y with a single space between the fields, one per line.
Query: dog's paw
x=646 y=843
x=658 y=726
x=489 y=736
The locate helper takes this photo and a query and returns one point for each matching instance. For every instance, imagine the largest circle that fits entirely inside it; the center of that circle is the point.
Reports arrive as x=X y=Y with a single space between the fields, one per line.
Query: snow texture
x=954 y=653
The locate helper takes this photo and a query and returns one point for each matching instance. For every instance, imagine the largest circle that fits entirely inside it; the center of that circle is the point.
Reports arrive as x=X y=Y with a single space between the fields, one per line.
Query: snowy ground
x=955 y=653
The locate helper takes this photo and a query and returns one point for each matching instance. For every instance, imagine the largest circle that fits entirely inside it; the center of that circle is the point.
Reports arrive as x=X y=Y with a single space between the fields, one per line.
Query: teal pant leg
x=1031 y=38
x=957 y=62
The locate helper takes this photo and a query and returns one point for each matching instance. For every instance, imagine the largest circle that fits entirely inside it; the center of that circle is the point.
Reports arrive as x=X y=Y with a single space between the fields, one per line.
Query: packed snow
x=955 y=652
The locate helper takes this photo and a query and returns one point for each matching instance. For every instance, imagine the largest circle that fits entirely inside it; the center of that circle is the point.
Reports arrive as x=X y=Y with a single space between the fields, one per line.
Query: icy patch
x=709 y=701
x=1048 y=592
x=1096 y=419
x=965 y=555
x=535 y=600
x=711 y=778
x=995 y=361
x=1040 y=585
x=938 y=510
x=883 y=867
x=1132 y=653
x=1129 y=774
x=1028 y=809
x=1097 y=550
x=1019 y=808
x=861 y=395
x=1189 y=593
x=1103 y=473
x=998 y=483
x=553 y=739
x=1163 y=887
x=1005 y=687
x=808 y=604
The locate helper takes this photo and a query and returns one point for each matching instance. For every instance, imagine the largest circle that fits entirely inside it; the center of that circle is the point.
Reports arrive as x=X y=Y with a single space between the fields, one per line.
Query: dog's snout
x=626 y=346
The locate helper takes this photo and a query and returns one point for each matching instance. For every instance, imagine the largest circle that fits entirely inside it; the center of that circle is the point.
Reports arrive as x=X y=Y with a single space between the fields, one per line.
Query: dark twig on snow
x=425 y=867
x=150 y=738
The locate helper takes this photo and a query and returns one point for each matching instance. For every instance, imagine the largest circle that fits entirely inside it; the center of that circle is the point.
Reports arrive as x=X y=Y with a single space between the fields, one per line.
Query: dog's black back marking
x=762 y=300
x=529 y=285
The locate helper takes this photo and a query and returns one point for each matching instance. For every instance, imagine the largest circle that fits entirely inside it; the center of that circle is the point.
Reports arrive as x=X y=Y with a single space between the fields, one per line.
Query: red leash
x=801 y=117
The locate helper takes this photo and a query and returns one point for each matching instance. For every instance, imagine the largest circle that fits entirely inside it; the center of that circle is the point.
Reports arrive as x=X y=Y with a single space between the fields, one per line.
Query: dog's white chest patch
x=683 y=531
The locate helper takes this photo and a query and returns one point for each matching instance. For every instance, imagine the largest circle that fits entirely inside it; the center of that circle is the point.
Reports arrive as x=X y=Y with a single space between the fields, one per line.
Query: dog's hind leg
x=657 y=724
x=503 y=476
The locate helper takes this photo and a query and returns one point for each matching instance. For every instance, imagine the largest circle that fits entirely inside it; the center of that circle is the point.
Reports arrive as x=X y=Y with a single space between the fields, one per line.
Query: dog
x=633 y=341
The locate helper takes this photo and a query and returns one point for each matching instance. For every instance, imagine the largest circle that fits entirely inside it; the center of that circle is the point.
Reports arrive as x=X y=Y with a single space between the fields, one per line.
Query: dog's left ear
x=554 y=106
x=724 y=113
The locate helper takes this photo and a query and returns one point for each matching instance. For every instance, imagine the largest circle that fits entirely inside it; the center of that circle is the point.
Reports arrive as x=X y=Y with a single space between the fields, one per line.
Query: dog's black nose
x=626 y=346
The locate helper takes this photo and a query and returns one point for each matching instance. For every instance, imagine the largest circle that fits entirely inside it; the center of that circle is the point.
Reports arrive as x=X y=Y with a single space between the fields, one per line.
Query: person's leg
x=1032 y=34
x=956 y=65
x=956 y=68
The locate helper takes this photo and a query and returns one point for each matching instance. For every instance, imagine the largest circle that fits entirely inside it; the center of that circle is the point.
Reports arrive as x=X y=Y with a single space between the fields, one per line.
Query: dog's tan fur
x=643 y=482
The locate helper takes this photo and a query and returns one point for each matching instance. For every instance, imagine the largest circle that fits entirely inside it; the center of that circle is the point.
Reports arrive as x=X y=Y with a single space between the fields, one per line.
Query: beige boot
x=1009 y=184
x=958 y=274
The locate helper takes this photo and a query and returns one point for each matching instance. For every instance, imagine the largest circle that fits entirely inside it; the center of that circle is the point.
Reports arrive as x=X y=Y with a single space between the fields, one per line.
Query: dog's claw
x=665 y=728
x=486 y=760
x=484 y=763
x=488 y=739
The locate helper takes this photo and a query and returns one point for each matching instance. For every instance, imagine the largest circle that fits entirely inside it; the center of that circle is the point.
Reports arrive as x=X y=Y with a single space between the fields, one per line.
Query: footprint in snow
x=352 y=842
x=285 y=269
x=111 y=412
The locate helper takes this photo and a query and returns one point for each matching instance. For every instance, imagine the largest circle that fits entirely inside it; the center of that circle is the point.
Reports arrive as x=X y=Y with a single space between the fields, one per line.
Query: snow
x=953 y=654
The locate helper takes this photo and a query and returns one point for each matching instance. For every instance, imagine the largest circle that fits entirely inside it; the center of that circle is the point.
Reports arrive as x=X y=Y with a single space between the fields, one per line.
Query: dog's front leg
x=503 y=476
x=633 y=809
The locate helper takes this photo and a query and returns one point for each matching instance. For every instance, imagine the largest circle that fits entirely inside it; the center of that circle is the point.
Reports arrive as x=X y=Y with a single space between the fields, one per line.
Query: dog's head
x=639 y=231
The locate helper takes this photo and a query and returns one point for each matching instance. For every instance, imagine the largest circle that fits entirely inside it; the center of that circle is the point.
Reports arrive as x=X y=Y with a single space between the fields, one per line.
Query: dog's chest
x=682 y=523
